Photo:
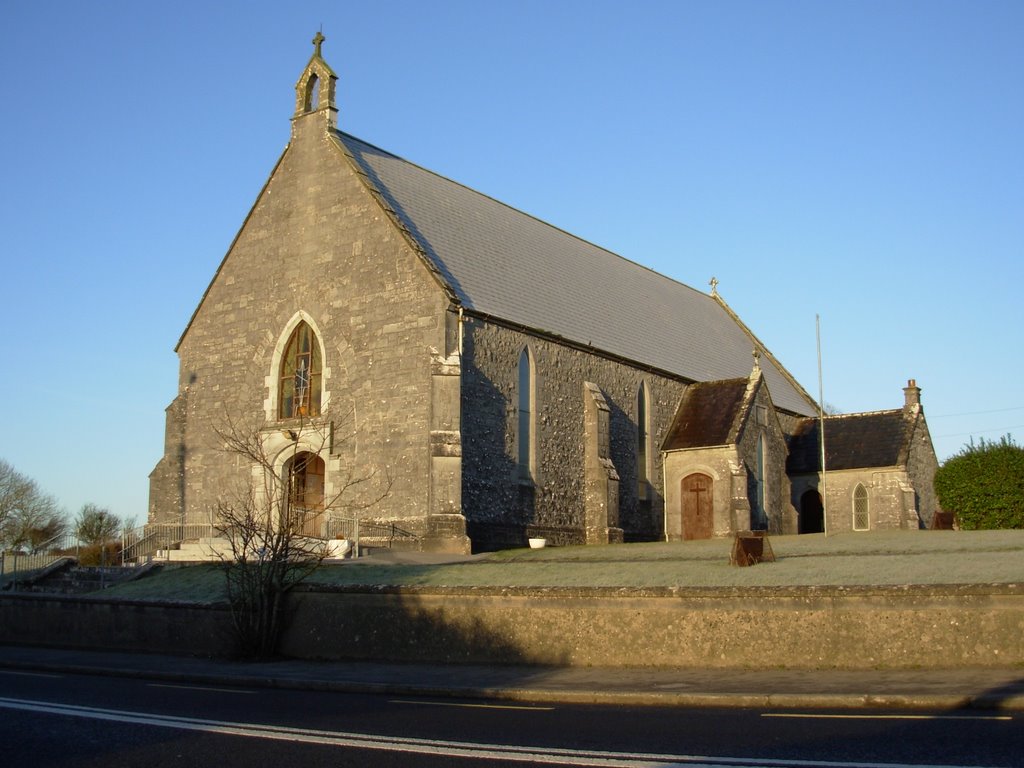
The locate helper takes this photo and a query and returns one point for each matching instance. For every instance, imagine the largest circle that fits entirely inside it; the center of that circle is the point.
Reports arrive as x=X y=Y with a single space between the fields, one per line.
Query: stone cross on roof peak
x=714 y=286
x=315 y=90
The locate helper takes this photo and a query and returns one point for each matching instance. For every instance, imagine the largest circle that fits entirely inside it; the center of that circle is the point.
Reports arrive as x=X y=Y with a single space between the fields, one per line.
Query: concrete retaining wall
x=70 y=621
x=764 y=628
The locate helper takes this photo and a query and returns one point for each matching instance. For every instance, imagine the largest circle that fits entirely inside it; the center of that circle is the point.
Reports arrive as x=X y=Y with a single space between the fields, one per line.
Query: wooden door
x=698 y=518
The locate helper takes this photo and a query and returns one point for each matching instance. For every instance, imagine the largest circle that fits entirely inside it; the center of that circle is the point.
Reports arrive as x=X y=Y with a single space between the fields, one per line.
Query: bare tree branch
x=28 y=517
x=275 y=520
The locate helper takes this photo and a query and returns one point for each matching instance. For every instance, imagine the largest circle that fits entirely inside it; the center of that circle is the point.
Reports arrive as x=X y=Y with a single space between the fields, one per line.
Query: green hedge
x=983 y=485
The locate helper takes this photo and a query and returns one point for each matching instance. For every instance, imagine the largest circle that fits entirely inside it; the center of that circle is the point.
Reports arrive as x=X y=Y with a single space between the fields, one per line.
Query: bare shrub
x=275 y=520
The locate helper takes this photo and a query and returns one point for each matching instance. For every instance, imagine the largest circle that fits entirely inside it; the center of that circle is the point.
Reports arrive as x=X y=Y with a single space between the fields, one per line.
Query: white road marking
x=198 y=688
x=470 y=706
x=436 y=747
x=29 y=674
x=815 y=716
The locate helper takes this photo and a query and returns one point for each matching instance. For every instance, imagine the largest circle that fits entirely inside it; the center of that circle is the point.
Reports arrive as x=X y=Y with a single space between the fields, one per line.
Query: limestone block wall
x=60 y=621
x=795 y=628
x=167 y=480
x=762 y=421
x=890 y=497
x=601 y=481
x=921 y=466
x=315 y=247
x=717 y=463
x=500 y=511
x=732 y=470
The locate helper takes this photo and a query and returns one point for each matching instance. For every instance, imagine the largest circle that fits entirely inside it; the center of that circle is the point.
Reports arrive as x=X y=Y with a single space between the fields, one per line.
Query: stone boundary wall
x=851 y=628
x=96 y=623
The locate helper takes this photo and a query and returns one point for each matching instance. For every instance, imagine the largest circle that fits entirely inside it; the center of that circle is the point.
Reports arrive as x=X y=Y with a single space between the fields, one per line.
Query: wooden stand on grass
x=750 y=548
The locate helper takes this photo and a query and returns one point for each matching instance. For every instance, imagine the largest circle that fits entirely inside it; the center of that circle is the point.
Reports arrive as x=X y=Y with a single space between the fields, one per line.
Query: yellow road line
x=470 y=706
x=198 y=688
x=813 y=716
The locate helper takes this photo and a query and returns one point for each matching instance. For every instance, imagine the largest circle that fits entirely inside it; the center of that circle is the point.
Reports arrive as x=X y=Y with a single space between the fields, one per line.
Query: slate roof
x=706 y=415
x=503 y=263
x=853 y=441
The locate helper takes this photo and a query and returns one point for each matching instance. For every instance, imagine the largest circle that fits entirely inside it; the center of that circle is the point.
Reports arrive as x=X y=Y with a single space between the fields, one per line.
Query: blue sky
x=857 y=160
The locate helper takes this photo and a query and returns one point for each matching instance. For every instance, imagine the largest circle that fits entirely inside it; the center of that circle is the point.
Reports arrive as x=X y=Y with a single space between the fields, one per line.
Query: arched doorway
x=306 y=492
x=812 y=513
x=697 y=508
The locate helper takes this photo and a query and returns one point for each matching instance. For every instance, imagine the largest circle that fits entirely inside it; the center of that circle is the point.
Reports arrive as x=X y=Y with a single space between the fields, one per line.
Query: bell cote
x=314 y=91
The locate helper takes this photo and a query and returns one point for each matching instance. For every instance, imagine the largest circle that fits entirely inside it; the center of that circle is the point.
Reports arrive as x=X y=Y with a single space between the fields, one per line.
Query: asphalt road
x=51 y=719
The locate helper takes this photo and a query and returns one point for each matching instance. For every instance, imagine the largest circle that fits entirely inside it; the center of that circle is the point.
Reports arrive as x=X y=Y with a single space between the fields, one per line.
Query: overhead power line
x=975 y=413
x=1004 y=430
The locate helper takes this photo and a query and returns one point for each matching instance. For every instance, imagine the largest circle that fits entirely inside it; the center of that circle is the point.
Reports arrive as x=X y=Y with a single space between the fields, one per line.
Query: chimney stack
x=911 y=394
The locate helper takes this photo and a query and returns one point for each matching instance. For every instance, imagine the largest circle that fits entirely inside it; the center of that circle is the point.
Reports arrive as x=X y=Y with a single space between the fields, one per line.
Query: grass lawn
x=850 y=559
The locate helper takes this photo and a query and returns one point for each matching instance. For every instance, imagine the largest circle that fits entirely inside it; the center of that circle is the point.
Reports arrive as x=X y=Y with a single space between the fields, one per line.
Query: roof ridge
x=733 y=380
x=861 y=413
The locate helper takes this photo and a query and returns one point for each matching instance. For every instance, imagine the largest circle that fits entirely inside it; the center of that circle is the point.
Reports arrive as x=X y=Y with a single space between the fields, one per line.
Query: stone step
x=208 y=549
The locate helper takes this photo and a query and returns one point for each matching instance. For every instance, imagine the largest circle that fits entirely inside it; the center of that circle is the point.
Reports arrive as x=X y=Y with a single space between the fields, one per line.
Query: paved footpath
x=994 y=688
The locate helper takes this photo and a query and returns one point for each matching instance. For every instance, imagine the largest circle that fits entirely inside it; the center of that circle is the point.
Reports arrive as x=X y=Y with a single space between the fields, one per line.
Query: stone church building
x=484 y=376
x=879 y=468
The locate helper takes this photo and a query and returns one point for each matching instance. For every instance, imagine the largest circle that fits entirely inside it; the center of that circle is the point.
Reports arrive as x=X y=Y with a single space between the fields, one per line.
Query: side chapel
x=510 y=380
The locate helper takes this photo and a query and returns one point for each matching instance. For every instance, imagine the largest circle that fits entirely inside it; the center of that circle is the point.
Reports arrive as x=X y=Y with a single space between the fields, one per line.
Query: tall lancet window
x=312 y=93
x=642 y=442
x=759 y=516
x=526 y=434
x=301 y=372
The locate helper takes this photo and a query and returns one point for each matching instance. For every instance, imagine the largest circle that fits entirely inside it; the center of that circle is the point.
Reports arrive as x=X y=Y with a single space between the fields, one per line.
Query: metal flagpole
x=821 y=429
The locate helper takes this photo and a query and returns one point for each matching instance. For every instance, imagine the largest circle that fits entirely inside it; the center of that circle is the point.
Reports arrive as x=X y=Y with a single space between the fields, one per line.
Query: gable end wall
x=317 y=242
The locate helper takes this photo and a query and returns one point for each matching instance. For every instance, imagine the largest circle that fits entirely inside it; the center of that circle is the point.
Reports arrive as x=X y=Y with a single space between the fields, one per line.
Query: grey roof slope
x=511 y=266
x=706 y=415
x=852 y=441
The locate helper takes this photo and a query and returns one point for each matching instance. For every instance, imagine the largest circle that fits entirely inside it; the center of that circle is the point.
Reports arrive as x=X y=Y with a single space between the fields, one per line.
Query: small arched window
x=312 y=100
x=861 y=518
x=301 y=373
x=526 y=437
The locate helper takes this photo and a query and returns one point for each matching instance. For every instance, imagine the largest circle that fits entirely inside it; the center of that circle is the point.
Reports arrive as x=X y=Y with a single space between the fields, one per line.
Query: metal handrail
x=357 y=530
x=18 y=560
x=60 y=541
x=147 y=539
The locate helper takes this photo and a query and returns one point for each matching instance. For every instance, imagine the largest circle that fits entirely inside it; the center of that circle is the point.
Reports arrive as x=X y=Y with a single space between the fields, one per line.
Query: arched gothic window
x=759 y=519
x=526 y=437
x=861 y=518
x=642 y=442
x=301 y=373
x=312 y=100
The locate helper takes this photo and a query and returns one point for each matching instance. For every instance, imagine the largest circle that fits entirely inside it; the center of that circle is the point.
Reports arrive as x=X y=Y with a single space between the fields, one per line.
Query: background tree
x=29 y=518
x=983 y=485
x=275 y=529
x=99 y=531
